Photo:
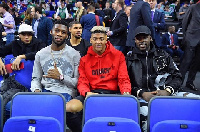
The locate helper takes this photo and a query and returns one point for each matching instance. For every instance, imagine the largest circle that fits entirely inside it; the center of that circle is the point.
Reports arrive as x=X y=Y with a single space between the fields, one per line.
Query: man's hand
x=90 y=93
x=2 y=68
x=109 y=33
x=16 y=62
x=53 y=73
x=4 y=34
x=162 y=93
x=148 y=95
x=170 y=46
x=37 y=90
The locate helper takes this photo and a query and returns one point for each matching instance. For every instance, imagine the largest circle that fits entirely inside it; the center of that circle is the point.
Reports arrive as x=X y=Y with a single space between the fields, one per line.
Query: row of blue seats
x=40 y=112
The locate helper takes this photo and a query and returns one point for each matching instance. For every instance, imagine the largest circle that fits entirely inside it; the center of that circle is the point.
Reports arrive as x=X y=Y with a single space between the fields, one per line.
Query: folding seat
x=174 y=114
x=36 y=109
x=111 y=112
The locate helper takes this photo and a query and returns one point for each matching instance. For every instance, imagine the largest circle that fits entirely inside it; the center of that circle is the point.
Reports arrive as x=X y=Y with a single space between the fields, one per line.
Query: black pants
x=190 y=59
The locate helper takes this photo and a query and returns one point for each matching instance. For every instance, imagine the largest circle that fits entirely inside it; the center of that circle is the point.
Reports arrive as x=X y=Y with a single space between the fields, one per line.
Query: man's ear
x=51 y=32
x=151 y=38
x=70 y=29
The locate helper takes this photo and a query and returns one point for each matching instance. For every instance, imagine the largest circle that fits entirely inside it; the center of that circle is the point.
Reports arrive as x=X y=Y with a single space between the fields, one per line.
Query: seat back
x=172 y=108
x=32 y=124
x=109 y=105
x=176 y=126
x=45 y=104
x=111 y=124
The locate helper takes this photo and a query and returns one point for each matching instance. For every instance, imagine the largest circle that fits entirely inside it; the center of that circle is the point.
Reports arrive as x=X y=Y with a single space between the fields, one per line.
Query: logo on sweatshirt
x=101 y=71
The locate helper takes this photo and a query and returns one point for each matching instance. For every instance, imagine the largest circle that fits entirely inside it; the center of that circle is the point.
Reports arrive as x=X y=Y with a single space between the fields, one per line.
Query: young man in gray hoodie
x=56 y=68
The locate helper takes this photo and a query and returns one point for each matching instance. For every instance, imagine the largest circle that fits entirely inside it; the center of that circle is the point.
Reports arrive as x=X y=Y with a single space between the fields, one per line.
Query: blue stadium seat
x=104 y=108
x=46 y=104
x=176 y=126
x=111 y=124
x=32 y=124
x=173 y=112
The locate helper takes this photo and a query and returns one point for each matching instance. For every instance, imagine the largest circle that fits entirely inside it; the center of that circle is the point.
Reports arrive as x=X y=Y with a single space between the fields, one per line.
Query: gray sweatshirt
x=67 y=62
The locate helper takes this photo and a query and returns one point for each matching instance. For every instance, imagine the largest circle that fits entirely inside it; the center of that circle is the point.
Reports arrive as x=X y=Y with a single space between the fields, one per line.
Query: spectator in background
x=9 y=23
x=127 y=11
x=158 y=21
x=80 y=12
x=182 y=12
x=53 y=6
x=24 y=48
x=99 y=11
x=168 y=14
x=108 y=13
x=140 y=14
x=62 y=11
x=191 y=44
x=88 y=21
x=28 y=17
x=75 y=40
x=41 y=25
x=118 y=30
x=170 y=43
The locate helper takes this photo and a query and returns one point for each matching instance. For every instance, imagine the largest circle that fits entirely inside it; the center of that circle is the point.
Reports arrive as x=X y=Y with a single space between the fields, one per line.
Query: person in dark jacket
x=25 y=48
x=41 y=25
x=152 y=71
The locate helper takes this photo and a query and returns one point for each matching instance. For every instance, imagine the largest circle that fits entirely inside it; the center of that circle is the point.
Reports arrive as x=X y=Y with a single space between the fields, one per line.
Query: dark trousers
x=194 y=67
x=190 y=59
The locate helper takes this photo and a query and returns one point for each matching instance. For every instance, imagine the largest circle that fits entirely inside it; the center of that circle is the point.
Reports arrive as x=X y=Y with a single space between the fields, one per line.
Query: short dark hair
x=121 y=3
x=62 y=22
x=73 y=22
x=39 y=9
x=91 y=7
x=5 y=6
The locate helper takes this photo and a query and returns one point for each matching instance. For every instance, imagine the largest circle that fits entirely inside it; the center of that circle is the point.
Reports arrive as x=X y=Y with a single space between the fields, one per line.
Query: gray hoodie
x=67 y=62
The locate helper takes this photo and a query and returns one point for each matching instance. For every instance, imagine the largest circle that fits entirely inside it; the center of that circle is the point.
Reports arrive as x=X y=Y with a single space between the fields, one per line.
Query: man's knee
x=74 y=105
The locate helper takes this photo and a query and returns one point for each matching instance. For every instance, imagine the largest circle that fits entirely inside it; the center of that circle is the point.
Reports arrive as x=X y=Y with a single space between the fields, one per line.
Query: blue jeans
x=9 y=38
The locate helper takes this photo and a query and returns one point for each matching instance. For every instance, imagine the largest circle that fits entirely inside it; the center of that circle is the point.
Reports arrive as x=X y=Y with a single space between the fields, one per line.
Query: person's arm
x=83 y=82
x=67 y=14
x=2 y=68
x=37 y=75
x=161 y=24
x=123 y=78
x=122 y=25
x=163 y=42
x=8 y=25
x=16 y=62
x=57 y=12
x=174 y=81
x=72 y=81
x=40 y=45
x=186 y=19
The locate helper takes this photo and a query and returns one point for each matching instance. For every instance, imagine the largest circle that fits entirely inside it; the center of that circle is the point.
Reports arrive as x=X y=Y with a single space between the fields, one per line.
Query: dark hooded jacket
x=144 y=68
x=17 y=47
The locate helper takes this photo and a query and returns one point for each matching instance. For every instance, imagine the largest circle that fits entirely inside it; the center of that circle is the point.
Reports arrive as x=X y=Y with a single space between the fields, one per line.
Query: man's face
x=98 y=41
x=152 y=3
x=116 y=5
x=127 y=11
x=62 y=4
x=26 y=37
x=34 y=15
x=1 y=10
x=107 y=5
x=142 y=41
x=171 y=29
x=59 y=34
x=76 y=30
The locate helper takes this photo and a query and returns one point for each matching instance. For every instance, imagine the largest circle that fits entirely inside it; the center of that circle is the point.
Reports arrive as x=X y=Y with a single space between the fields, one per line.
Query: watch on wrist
x=168 y=90
x=61 y=78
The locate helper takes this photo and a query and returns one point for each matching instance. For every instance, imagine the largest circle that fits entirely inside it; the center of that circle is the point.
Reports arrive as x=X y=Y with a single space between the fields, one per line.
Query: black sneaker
x=192 y=87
